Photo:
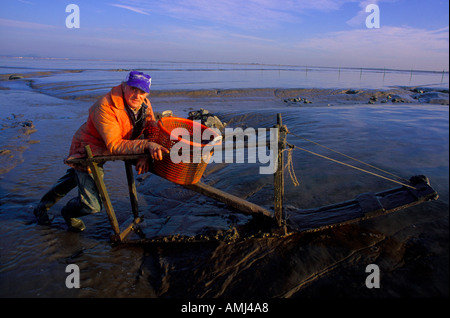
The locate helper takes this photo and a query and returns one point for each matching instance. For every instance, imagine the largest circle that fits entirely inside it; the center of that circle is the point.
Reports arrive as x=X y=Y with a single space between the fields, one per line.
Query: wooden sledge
x=364 y=206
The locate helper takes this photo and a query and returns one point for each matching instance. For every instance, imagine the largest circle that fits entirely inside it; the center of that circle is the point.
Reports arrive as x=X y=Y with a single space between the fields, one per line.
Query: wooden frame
x=234 y=202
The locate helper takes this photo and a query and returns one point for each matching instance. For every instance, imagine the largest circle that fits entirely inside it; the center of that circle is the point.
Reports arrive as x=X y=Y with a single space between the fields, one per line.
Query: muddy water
x=410 y=246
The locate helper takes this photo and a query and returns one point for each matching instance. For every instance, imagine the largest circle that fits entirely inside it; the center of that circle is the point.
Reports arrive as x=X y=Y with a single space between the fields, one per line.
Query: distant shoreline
x=275 y=65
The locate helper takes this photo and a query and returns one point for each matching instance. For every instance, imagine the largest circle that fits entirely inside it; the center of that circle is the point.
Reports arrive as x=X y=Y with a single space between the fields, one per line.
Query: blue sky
x=412 y=34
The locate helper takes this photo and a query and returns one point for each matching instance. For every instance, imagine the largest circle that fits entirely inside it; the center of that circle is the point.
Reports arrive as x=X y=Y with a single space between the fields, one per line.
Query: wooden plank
x=233 y=201
x=132 y=227
x=103 y=193
x=101 y=159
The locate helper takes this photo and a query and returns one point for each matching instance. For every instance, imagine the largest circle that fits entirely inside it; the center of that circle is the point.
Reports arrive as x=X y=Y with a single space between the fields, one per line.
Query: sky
x=411 y=34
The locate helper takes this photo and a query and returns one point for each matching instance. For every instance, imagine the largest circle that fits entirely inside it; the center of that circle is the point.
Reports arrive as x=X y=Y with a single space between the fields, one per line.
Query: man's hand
x=142 y=165
x=156 y=151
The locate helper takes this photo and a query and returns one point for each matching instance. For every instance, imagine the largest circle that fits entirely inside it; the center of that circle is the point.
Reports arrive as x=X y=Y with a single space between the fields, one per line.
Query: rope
x=290 y=166
x=369 y=165
x=351 y=166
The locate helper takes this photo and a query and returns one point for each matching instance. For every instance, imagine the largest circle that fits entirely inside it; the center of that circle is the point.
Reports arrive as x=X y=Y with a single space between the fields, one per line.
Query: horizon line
x=228 y=63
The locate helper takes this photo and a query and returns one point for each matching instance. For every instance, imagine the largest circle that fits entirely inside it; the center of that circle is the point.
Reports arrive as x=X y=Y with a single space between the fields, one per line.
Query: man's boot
x=73 y=224
x=40 y=212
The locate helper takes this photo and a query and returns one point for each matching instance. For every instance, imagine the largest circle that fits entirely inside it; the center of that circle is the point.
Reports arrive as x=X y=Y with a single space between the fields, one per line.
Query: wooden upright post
x=132 y=189
x=279 y=173
x=103 y=193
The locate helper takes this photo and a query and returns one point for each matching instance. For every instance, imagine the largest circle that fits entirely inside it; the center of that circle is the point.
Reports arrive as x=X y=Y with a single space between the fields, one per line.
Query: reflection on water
x=74 y=76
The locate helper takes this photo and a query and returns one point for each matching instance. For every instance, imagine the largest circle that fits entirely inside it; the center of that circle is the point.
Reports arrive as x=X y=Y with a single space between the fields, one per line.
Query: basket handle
x=214 y=141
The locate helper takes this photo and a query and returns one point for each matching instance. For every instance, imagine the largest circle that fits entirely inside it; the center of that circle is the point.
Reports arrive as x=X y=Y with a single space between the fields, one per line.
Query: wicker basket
x=183 y=172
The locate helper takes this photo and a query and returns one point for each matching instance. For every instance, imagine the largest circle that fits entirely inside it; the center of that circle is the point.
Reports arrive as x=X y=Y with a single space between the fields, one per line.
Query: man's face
x=134 y=96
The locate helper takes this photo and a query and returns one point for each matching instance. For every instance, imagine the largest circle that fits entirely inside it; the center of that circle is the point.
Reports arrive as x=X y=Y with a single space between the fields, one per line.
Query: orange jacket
x=108 y=129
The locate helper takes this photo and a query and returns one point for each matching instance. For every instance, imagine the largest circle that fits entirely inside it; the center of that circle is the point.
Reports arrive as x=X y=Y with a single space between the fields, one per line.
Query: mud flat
x=406 y=133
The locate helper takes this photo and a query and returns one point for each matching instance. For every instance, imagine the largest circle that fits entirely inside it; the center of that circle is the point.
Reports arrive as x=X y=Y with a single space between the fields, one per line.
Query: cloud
x=249 y=14
x=360 y=18
x=25 y=25
x=129 y=8
x=389 y=46
x=26 y=2
x=250 y=37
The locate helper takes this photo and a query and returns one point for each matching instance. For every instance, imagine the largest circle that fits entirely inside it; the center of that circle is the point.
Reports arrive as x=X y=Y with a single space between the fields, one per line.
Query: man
x=119 y=123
